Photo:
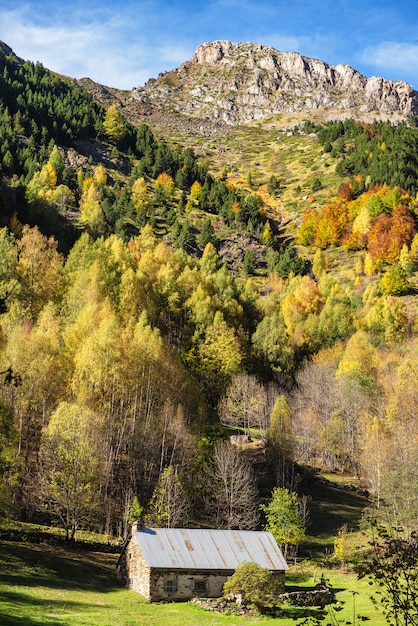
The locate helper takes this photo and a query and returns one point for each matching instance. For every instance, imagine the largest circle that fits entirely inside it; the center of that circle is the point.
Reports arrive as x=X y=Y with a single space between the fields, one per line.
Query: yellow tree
x=56 y=160
x=63 y=198
x=41 y=183
x=217 y=358
x=98 y=360
x=283 y=518
x=236 y=210
x=414 y=250
x=400 y=464
x=302 y=300
x=361 y=224
x=100 y=175
x=368 y=265
x=8 y=276
x=280 y=441
x=360 y=360
x=272 y=343
x=114 y=124
x=406 y=260
x=140 y=196
x=91 y=212
x=70 y=454
x=34 y=354
x=98 y=383
x=318 y=263
x=39 y=268
x=155 y=390
x=388 y=320
x=210 y=261
x=169 y=505
x=195 y=192
x=267 y=235
x=165 y=185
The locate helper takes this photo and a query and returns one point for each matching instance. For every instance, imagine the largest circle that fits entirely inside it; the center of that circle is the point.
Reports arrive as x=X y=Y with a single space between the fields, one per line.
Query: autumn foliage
x=389 y=233
x=361 y=224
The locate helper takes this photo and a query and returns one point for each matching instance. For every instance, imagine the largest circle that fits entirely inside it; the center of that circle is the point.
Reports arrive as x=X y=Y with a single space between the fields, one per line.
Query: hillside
x=161 y=289
x=251 y=108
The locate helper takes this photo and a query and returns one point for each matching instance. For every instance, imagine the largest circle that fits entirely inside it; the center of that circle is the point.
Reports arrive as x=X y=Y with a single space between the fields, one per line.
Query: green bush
x=254 y=586
x=394 y=282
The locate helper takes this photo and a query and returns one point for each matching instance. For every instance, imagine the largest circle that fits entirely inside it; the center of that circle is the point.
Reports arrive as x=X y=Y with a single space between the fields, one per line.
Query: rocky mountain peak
x=239 y=82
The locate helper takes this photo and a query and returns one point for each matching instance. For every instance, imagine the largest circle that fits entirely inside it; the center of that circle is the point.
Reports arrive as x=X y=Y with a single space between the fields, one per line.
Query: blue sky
x=124 y=43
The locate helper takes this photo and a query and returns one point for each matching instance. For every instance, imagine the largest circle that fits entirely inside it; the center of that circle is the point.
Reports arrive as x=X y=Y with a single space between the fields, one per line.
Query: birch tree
x=234 y=500
x=246 y=404
x=70 y=466
x=169 y=506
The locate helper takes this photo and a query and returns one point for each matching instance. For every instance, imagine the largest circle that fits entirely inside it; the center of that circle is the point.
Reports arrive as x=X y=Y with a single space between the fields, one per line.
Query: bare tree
x=234 y=497
x=247 y=403
x=327 y=412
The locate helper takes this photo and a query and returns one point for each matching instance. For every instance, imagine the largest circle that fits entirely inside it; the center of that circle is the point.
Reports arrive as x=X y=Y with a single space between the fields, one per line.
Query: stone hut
x=179 y=564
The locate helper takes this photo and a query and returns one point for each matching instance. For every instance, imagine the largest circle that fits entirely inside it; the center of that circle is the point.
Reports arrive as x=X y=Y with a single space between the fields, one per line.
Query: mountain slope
x=239 y=82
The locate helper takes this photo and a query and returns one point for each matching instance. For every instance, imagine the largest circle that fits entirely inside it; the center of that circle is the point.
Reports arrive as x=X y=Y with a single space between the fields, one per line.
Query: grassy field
x=52 y=585
x=43 y=584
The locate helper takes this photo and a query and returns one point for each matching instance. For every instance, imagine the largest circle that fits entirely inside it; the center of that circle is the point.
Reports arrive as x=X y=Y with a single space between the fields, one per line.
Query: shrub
x=394 y=281
x=254 y=586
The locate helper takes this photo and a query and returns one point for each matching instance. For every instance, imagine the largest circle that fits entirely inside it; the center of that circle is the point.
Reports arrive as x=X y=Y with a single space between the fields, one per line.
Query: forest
x=130 y=350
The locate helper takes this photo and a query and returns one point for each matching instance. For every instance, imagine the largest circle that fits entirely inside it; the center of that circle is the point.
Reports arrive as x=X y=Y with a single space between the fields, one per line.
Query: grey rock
x=235 y=83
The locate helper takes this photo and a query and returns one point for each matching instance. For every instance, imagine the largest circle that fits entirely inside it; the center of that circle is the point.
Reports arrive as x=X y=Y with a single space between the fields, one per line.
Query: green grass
x=44 y=585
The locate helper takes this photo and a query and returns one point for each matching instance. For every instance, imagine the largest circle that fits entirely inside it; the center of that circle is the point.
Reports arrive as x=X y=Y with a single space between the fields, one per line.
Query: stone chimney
x=138 y=525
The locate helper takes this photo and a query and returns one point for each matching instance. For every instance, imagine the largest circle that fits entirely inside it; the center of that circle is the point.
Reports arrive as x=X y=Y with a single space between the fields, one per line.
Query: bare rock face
x=235 y=83
x=7 y=50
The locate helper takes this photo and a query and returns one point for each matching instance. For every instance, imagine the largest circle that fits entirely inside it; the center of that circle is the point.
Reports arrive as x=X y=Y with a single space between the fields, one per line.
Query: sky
x=124 y=43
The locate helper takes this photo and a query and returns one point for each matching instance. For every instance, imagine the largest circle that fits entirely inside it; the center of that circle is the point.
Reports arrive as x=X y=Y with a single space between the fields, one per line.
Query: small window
x=170 y=586
x=200 y=585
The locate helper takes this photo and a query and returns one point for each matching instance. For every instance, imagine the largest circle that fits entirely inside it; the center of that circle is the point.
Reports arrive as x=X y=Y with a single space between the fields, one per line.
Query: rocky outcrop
x=239 y=82
x=5 y=48
x=8 y=51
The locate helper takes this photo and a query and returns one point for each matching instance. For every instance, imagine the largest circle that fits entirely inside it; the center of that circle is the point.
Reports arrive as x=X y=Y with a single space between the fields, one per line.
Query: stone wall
x=317 y=597
x=133 y=571
x=190 y=584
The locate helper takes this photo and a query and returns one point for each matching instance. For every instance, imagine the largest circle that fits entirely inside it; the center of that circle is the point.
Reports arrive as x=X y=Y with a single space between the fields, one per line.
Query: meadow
x=57 y=585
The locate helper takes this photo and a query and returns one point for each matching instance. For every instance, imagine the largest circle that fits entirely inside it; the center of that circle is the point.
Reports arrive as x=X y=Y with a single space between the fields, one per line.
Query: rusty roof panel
x=180 y=548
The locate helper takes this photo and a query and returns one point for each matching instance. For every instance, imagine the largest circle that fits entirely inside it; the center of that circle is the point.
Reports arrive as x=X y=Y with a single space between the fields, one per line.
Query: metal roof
x=180 y=548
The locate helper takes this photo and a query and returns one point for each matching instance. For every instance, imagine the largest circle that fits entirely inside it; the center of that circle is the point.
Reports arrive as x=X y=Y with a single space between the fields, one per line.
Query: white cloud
x=89 y=48
x=172 y=55
x=124 y=45
x=316 y=46
x=397 y=57
x=282 y=43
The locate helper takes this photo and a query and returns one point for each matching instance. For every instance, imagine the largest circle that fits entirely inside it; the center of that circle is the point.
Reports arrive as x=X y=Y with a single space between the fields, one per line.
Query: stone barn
x=179 y=564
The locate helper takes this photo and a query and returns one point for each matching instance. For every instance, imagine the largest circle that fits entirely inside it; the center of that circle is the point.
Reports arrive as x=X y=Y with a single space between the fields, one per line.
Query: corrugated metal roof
x=180 y=548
